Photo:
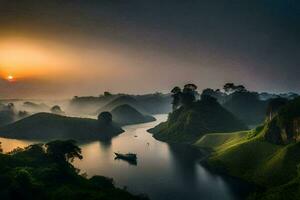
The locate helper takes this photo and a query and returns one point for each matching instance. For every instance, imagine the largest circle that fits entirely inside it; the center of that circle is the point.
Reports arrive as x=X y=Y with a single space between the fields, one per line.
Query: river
x=163 y=172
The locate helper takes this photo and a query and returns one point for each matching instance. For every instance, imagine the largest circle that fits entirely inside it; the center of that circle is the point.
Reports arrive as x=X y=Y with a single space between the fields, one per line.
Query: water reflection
x=10 y=144
x=131 y=162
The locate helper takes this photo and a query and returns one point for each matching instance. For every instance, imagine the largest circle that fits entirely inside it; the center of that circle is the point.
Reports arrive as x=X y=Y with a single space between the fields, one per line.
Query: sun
x=10 y=78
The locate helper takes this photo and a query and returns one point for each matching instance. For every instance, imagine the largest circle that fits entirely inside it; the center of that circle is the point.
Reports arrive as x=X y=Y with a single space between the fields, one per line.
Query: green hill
x=188 y=123
x=51 y=126
x=252 y=156
x=126 y=114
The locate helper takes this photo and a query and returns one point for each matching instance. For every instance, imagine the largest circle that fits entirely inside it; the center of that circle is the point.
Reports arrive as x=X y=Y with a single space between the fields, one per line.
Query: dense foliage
x=44 y=172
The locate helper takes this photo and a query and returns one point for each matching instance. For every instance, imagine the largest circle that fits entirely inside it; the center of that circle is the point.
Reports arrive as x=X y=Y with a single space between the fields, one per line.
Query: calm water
x=163 y=172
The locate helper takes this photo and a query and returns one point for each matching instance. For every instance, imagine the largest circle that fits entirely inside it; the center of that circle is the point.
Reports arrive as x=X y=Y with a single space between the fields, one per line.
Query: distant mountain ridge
x=156 y=103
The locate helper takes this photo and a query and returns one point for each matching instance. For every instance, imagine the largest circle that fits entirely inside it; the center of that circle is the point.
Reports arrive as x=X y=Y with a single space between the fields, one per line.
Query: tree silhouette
x=176 y=94
x=231 y=87
x=63 y=151
x=188 y=94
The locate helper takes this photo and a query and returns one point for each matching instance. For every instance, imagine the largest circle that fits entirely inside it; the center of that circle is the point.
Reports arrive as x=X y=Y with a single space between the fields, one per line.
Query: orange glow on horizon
x=27 y=59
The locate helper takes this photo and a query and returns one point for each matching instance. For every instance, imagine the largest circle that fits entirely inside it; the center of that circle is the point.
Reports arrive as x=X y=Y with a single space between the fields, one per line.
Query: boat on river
x=131 y=157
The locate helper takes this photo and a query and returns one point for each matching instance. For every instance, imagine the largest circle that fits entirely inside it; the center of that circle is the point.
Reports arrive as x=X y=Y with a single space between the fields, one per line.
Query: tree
x=35 y=149
x=231 y=88
x=189 y=94
x=63 y=151
x=176 y=94
x=106 y=94
x=56 y=109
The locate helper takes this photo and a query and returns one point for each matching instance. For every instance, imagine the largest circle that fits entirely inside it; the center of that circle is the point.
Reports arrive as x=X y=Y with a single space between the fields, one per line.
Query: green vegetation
x=216 y=141
x=249 y=156
x=126 y=114
x=187 y=123
x=252 y=156
x=45 y=172
x=50 y=126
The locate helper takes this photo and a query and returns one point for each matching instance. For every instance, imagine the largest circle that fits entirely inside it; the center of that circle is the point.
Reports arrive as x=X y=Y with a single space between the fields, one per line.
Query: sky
x=62 y=48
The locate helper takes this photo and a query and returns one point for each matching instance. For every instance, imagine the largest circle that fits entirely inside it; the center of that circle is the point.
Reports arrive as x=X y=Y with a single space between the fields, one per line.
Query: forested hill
x=188 y=123
x=52 y=126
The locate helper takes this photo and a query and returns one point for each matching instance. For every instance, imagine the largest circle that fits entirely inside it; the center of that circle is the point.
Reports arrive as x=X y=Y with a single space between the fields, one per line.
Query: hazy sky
x=60 y=48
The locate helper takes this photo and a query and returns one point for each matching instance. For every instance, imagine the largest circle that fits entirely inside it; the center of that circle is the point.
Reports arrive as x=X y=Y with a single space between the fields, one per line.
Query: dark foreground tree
x=63 y=151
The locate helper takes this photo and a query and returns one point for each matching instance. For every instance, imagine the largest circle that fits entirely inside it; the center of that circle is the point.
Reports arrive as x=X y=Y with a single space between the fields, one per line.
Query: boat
x=129 y=156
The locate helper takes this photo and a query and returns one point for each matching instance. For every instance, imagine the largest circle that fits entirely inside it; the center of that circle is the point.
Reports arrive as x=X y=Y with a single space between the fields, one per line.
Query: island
x=126 y=114
x=47 y=126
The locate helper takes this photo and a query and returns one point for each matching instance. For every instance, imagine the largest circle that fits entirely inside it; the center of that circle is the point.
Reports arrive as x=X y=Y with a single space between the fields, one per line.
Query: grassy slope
x=248 y=156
